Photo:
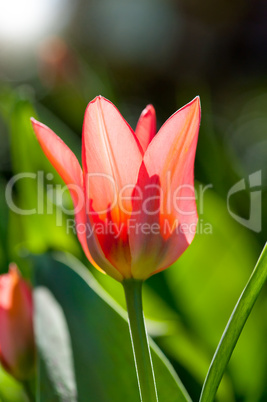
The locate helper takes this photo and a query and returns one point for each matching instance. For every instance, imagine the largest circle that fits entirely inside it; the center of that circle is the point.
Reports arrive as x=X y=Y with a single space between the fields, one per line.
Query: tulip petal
x=67 y=165
x=171 y=156
x=146 y=127
x=152 y=241
x=169 y=162
x=144 y=236
x=111 y=157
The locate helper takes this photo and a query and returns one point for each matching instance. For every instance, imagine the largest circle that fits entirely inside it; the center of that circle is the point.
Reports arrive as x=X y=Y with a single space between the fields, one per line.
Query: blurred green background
x=56 y=56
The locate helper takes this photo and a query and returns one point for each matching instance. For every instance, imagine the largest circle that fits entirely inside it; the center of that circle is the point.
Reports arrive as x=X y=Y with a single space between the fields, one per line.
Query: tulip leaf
x=54 y=348
x=3 y=228
x=205 y=284
x=234 y=328
x=10 y=389
x=34 y=201
x=98 y=328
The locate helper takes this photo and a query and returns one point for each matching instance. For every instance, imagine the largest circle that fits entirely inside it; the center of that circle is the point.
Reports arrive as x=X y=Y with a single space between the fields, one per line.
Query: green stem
x=139 y=338
x=28 y=390
x=234 y=327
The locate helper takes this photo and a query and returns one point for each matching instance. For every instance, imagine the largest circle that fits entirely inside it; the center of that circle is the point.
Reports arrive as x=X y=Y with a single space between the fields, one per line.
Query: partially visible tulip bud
x=17 y=349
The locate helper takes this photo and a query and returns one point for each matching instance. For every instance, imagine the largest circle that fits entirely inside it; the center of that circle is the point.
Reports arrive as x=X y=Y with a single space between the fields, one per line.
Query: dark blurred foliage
x=164 y=53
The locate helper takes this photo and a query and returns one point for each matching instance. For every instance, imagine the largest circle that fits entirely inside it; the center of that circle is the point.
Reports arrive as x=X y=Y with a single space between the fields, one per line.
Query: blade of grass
x=234 y=327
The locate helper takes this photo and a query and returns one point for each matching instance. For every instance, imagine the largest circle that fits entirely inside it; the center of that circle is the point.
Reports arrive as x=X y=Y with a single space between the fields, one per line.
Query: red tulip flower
x=17 y=351
x=134 y=195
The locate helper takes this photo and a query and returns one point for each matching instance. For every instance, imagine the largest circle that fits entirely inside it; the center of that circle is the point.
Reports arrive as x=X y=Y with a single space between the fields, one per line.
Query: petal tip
x=195 y=100
x=97 y=98
x=96 y=102
x=36 y=122
x=37 y=126
x=33 y=121
x=149 y=109
x=13 y=269
x=195 y=103
x=198 y=104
